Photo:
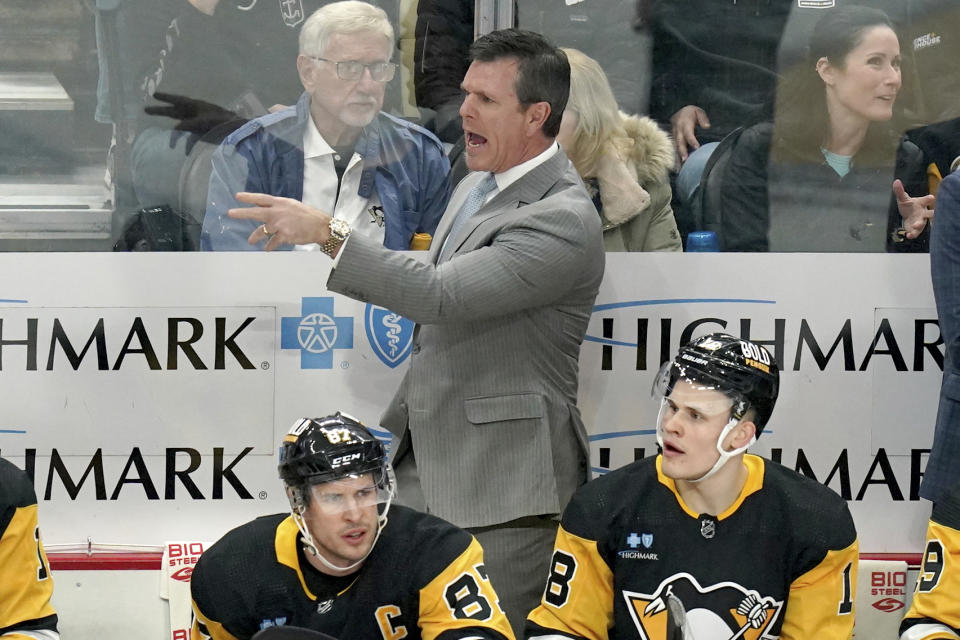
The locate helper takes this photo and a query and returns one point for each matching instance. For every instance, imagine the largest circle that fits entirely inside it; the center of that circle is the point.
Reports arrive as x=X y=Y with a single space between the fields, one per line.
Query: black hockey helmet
x=318 y=450
x=740 y=369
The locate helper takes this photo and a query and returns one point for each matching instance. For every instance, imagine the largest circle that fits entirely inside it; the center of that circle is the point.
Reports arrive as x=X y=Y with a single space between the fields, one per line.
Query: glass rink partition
x=94 y=160
x=124 y=347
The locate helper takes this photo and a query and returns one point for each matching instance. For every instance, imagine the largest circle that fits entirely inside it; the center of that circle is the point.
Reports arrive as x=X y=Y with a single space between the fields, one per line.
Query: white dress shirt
x=364 y=215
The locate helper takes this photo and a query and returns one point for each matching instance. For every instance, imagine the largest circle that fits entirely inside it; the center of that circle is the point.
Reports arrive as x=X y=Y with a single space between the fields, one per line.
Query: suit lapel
x=537 y=182
x=531 y=187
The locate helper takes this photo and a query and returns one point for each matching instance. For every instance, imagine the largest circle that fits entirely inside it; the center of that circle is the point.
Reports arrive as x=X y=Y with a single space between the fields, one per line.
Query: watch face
x=339 y=227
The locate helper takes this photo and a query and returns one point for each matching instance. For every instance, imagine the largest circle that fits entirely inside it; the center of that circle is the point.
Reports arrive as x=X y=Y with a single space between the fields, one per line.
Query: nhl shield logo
x=708 y=527
x=390 y=334
x=292 y=12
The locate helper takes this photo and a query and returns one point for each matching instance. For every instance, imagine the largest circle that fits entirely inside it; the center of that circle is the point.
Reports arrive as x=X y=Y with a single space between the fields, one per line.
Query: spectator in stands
x=818 y=179
x=929 y=31
x=601 y=29
x=624 y=160
x=934 y=612
x=704 y=537
x=335 y=150
x=929 y=99
x=713 y=70
x=25 y=582
x=336 y=564
x=217 y=63
x=714 y=66
x=443 y=35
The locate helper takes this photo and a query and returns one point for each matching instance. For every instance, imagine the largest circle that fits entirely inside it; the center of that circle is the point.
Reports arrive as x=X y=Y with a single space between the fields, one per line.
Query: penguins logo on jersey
x=723 y=611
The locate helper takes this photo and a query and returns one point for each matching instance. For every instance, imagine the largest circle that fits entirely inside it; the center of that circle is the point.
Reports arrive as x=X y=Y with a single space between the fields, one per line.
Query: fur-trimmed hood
x=621 y=180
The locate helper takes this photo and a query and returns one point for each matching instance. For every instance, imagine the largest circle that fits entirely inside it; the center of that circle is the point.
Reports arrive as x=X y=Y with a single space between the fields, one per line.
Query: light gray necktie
x=472 y=204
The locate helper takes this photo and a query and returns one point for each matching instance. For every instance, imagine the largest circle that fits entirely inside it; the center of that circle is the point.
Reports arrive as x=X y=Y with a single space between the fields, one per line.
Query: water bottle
x=700 y=241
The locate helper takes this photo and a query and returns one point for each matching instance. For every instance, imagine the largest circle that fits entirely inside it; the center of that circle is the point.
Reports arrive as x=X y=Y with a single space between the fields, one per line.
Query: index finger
x=259 y=199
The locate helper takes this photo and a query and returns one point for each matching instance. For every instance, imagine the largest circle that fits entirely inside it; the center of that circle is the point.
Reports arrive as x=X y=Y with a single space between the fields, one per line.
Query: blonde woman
x=624 y=161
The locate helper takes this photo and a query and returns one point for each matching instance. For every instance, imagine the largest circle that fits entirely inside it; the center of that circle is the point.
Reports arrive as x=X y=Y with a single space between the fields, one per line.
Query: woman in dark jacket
x=819 y=178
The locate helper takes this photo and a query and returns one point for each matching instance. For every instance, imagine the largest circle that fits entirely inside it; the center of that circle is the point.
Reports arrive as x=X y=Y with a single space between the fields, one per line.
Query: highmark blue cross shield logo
x=390 y=334
x=646 y=539
x=317 y=332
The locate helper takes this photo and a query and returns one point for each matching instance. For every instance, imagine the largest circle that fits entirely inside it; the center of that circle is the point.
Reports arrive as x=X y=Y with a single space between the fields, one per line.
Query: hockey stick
x=677 y=618
x=285 y=632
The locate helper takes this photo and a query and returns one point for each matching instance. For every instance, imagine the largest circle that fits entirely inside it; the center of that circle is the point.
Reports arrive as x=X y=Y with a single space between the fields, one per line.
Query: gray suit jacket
x=943 y=468
x=490 y=396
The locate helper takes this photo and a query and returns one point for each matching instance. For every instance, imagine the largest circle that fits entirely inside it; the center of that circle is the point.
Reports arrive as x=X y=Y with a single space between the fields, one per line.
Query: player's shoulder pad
x=409 y=532
x=416 y=530
x=814 y=510
x=243 y=546
x=16 y=490
x=602 y=500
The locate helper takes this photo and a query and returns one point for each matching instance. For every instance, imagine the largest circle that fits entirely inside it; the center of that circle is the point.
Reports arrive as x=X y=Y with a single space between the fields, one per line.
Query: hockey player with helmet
x=934 y=613
x=25 y=582
x=704 y=540
x=337 y=564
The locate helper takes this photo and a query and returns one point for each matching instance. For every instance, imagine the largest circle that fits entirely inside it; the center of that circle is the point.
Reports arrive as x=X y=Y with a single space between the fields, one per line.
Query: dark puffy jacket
x=440 y=55
x=799 y=203
x=720 y=55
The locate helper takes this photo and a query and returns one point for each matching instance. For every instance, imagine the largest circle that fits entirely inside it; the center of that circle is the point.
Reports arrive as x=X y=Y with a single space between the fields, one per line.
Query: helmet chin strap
x=311 y=547
x=724 y=454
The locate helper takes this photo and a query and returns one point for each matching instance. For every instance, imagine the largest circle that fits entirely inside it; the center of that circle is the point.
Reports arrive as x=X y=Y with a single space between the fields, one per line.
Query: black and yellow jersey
x=25 y=585
x=934 y=613
x=424 y=579
x=780 y=561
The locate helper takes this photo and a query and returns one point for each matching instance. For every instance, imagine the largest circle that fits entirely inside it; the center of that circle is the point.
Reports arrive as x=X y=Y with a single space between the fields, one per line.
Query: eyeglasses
x=353 y=69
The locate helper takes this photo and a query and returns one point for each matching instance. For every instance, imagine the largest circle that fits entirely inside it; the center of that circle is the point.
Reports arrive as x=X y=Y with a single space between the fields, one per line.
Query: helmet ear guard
x=299 y=499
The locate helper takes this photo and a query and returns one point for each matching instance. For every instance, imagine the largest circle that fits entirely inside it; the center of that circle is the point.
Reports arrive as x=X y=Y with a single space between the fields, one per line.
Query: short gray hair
x=349 y=16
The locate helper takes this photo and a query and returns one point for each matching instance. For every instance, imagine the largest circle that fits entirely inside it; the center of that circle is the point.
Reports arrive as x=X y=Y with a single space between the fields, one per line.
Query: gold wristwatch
x=339 y=230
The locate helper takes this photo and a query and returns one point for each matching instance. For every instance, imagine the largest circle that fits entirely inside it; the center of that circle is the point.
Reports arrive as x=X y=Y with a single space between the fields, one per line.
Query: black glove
x=196 y=117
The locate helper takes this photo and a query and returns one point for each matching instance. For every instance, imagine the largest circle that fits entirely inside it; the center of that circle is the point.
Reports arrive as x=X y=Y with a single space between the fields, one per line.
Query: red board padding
x=150 y=560
x=912 y=559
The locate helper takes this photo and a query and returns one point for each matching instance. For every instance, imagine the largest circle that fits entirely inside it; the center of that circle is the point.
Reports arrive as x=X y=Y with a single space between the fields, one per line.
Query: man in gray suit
x=491 y=437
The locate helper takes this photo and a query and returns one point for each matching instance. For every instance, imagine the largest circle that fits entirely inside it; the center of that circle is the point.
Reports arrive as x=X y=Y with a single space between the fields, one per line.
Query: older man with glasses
x=335 y=150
